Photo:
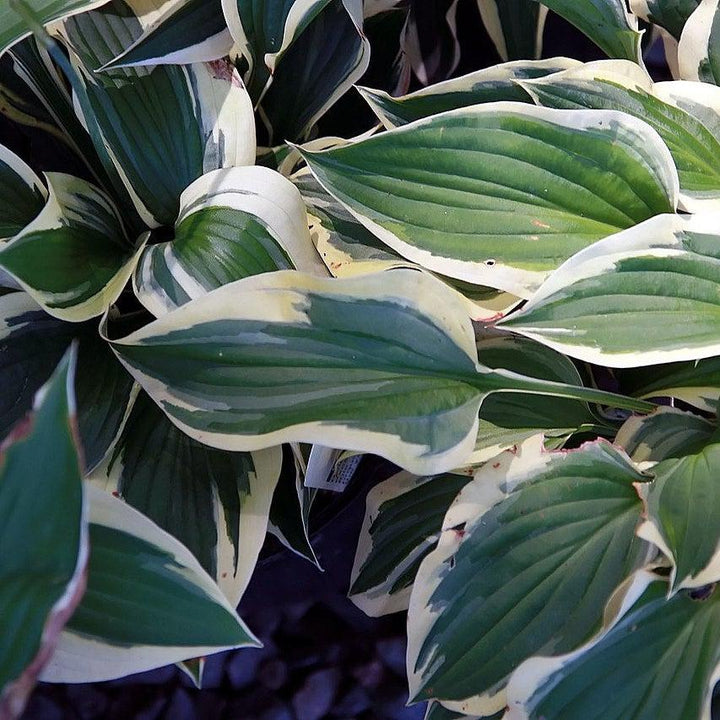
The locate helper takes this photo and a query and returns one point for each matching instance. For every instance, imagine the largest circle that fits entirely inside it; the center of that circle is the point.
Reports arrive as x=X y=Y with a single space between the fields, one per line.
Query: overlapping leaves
x=500 y=194
x=503 y=201
x=532 y=550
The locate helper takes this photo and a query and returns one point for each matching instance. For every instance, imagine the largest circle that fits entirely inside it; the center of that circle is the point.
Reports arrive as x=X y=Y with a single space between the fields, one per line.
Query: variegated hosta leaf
x=343 y=362
x=164 y=127
x=671 y=15
x=528 y=574
x=286 y=158
x=348 y=249
x=488 y=85
x=233 y=223
x=264 y=30
x=14 y=16
x=35 y=68
x=22 y=194
x=694 y=382
x=606 y=22
x=74 y=258
x=666 y=433
x=508 y=419
x=698 y=57
x=500 y=194
x=44 y=552
x=115 y=631
x=341 y=241
x=18 y=102
x=682 y=511
x=191 y=31
x=330 y=55
x=515 y=27
x=363 y=363
x=693 y=140
x=216 y=503
x=672 y=646
x=31 y=345
x=403 y=519
x=658 y=280
x=290 y=509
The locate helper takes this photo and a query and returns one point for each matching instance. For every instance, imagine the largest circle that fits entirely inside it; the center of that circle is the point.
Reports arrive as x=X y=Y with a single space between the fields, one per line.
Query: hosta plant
x=507 y=284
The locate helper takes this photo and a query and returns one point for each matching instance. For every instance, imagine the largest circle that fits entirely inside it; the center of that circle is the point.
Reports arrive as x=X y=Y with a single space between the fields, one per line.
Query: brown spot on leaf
x=540 y=224
x=223 y=69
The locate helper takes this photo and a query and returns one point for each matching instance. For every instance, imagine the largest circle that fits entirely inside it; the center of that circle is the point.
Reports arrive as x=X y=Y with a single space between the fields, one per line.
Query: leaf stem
x=521 y=383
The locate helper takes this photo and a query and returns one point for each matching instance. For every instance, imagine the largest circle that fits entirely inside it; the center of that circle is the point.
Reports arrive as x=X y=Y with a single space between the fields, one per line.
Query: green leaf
x=44 y=552
x=341 y=241
x=500 y=194
x=33 y=64
x=694 y=143
x=104 y=391
x=194 y=668
x=364 y=364
x=681 y=511
x=233 y=223
x=698 y=57
x=606 y=22
x=73 y=259
x=488 y=85
x=19 y=102
x=264 y=30
x=528 y=574
x=22 y=194
x=317 y=69
x=403 y=519
x=666 y=433
x=191 y=31
x=13 y=23
x=672 y=646
x=32 y=344
x=671 y=15
x=163 y=127
x=658 y=281
x=290 y=510
x=507 y=419
x=514 y=26
x=216 y=503
x=348 y=249
x=115 y=630
x=351 y=362
x=696 y=382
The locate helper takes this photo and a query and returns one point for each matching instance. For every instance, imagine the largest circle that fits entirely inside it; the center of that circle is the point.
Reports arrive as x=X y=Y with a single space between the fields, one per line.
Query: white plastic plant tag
x=324 y=472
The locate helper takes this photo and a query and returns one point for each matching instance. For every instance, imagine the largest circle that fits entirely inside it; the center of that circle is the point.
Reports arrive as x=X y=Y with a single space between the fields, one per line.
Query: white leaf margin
x=255 y=190
x=530 y=675
x=79 y=658
x=501 y=276
x=656 y=237
x=491 y=484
